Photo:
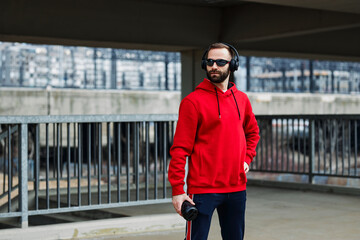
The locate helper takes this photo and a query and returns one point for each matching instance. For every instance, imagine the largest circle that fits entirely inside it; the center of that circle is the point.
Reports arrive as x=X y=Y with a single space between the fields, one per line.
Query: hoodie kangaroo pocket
x=243 y=177
x=235 y=178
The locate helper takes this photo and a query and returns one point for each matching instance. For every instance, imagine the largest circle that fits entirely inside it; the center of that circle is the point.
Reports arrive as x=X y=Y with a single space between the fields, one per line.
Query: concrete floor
x=275 y=214
x=272 y=213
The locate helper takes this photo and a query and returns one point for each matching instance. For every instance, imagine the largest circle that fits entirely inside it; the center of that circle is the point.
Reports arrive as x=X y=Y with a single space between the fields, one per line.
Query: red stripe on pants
x=188 y=228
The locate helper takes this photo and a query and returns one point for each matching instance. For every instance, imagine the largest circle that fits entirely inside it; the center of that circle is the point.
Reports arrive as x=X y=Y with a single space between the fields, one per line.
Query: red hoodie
x=218 y=131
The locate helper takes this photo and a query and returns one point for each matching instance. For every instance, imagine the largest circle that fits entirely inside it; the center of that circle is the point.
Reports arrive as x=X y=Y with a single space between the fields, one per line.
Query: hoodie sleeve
x=251 y=130
x=183 y=145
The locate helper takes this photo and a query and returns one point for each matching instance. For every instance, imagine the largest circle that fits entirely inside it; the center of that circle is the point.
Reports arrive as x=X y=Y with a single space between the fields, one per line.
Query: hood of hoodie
x=209 y=87
x=206 y=85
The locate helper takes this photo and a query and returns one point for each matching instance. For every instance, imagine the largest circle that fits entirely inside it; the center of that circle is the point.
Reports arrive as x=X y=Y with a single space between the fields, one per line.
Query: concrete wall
x=304 y=103
x=14 y=101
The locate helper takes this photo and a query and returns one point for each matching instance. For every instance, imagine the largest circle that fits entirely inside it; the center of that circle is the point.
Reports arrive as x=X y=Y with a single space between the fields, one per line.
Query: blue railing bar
x=318 y=149
x=88 y=118
x=119 y=160
x=68 y=164
x=5 y=133
x=293 y=148
x=147 y=160
x=74 y=144
x=298 y=144
x=10 y=214
x=330 y=140
x=337 y=126
x=356 y=150
x=89 y=163
x=349 y=145
x=6 y=193
x=128 y=162
x=277 y=142
x=310 y=116
x=37 y=165
x=99 y=160
x=85 y=208
x=54 y=149
x=279 y=171
x=9 y=168
x=141 y=118
x=102 y=206
x=164 y=158
x=156 y=159
x=325 y=140
x=80 y=144
x=4 y=167
x=58 y=163
x=137 y=159
x=343 y=144
x=47 y=167
x=23 y=176
x=109 y=162
x=306 y=173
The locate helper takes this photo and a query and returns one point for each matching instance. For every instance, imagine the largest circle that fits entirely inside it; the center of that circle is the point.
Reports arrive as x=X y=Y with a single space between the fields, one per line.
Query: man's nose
x=214 y=65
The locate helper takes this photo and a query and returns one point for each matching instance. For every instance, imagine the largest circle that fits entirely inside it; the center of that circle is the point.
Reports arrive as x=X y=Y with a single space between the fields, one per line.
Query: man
x=218 y=132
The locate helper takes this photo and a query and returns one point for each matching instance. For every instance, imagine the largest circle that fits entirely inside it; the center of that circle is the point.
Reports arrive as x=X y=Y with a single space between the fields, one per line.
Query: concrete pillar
x=191 y=72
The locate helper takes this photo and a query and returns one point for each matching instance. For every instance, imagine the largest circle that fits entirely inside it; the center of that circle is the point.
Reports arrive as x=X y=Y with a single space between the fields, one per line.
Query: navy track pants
x=231 y=212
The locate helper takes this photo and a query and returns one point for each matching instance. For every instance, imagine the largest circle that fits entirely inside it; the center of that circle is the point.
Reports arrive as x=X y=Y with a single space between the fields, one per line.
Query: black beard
x=218 y=79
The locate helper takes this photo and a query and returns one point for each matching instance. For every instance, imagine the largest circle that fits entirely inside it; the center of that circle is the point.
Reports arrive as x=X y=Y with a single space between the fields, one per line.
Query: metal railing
x=72 y=163
x=57 y=164
x=309 y=145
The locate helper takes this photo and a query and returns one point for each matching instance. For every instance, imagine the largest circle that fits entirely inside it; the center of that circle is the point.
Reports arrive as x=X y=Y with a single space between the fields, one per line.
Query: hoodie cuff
x=178 y=190
x=248 y=159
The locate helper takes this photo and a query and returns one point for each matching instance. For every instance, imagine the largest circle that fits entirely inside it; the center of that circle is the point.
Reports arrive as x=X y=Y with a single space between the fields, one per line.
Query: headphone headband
x=234 y=63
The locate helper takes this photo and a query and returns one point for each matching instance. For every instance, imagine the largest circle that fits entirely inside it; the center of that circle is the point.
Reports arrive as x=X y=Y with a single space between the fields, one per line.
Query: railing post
x=312 y=149
x=23 y=174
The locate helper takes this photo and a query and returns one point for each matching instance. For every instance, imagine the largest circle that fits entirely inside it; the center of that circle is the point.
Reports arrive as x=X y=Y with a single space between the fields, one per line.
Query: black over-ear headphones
x=234 y=63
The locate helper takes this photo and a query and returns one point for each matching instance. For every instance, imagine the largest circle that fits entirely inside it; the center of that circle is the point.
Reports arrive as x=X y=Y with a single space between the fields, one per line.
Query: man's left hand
x=246 y=167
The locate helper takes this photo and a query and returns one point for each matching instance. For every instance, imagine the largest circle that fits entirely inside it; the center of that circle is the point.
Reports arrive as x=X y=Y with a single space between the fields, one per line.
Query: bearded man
x=218 y=133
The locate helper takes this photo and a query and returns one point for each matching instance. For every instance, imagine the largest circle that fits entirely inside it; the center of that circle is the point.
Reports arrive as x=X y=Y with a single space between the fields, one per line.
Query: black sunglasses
x=219 y=62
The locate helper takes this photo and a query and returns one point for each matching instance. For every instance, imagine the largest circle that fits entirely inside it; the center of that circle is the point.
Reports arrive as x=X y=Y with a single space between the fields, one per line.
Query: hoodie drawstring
x=217 y=98
x=236 y=104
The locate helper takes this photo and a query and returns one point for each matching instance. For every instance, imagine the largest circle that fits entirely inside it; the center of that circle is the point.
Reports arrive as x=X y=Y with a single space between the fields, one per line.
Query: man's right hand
x=178 y=200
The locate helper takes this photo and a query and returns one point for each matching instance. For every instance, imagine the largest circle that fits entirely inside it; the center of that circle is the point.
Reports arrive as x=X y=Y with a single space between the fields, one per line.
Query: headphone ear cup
x=203 y=64
x=232 y=65
x=203 y=60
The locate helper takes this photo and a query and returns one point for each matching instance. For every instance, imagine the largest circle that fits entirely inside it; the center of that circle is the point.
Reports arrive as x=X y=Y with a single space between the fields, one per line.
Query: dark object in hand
x=188 y=211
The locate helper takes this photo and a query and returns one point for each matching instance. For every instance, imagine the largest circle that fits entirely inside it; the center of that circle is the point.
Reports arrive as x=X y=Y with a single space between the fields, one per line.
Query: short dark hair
x=221 y=45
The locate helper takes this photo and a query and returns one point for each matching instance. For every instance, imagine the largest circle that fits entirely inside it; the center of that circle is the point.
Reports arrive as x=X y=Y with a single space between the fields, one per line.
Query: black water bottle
x=188 y=211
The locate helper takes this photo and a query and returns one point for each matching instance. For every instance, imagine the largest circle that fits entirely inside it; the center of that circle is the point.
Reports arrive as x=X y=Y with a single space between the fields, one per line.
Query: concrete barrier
x=25 y=101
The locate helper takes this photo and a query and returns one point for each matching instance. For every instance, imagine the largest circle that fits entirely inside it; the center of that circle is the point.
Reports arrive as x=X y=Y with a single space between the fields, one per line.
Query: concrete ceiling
x=296 y=28
x=349 y=6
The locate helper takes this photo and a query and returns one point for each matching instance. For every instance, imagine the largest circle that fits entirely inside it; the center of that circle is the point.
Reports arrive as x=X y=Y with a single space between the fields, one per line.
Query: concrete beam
x=258 y=22
x=135 y=24
x=336 y=45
